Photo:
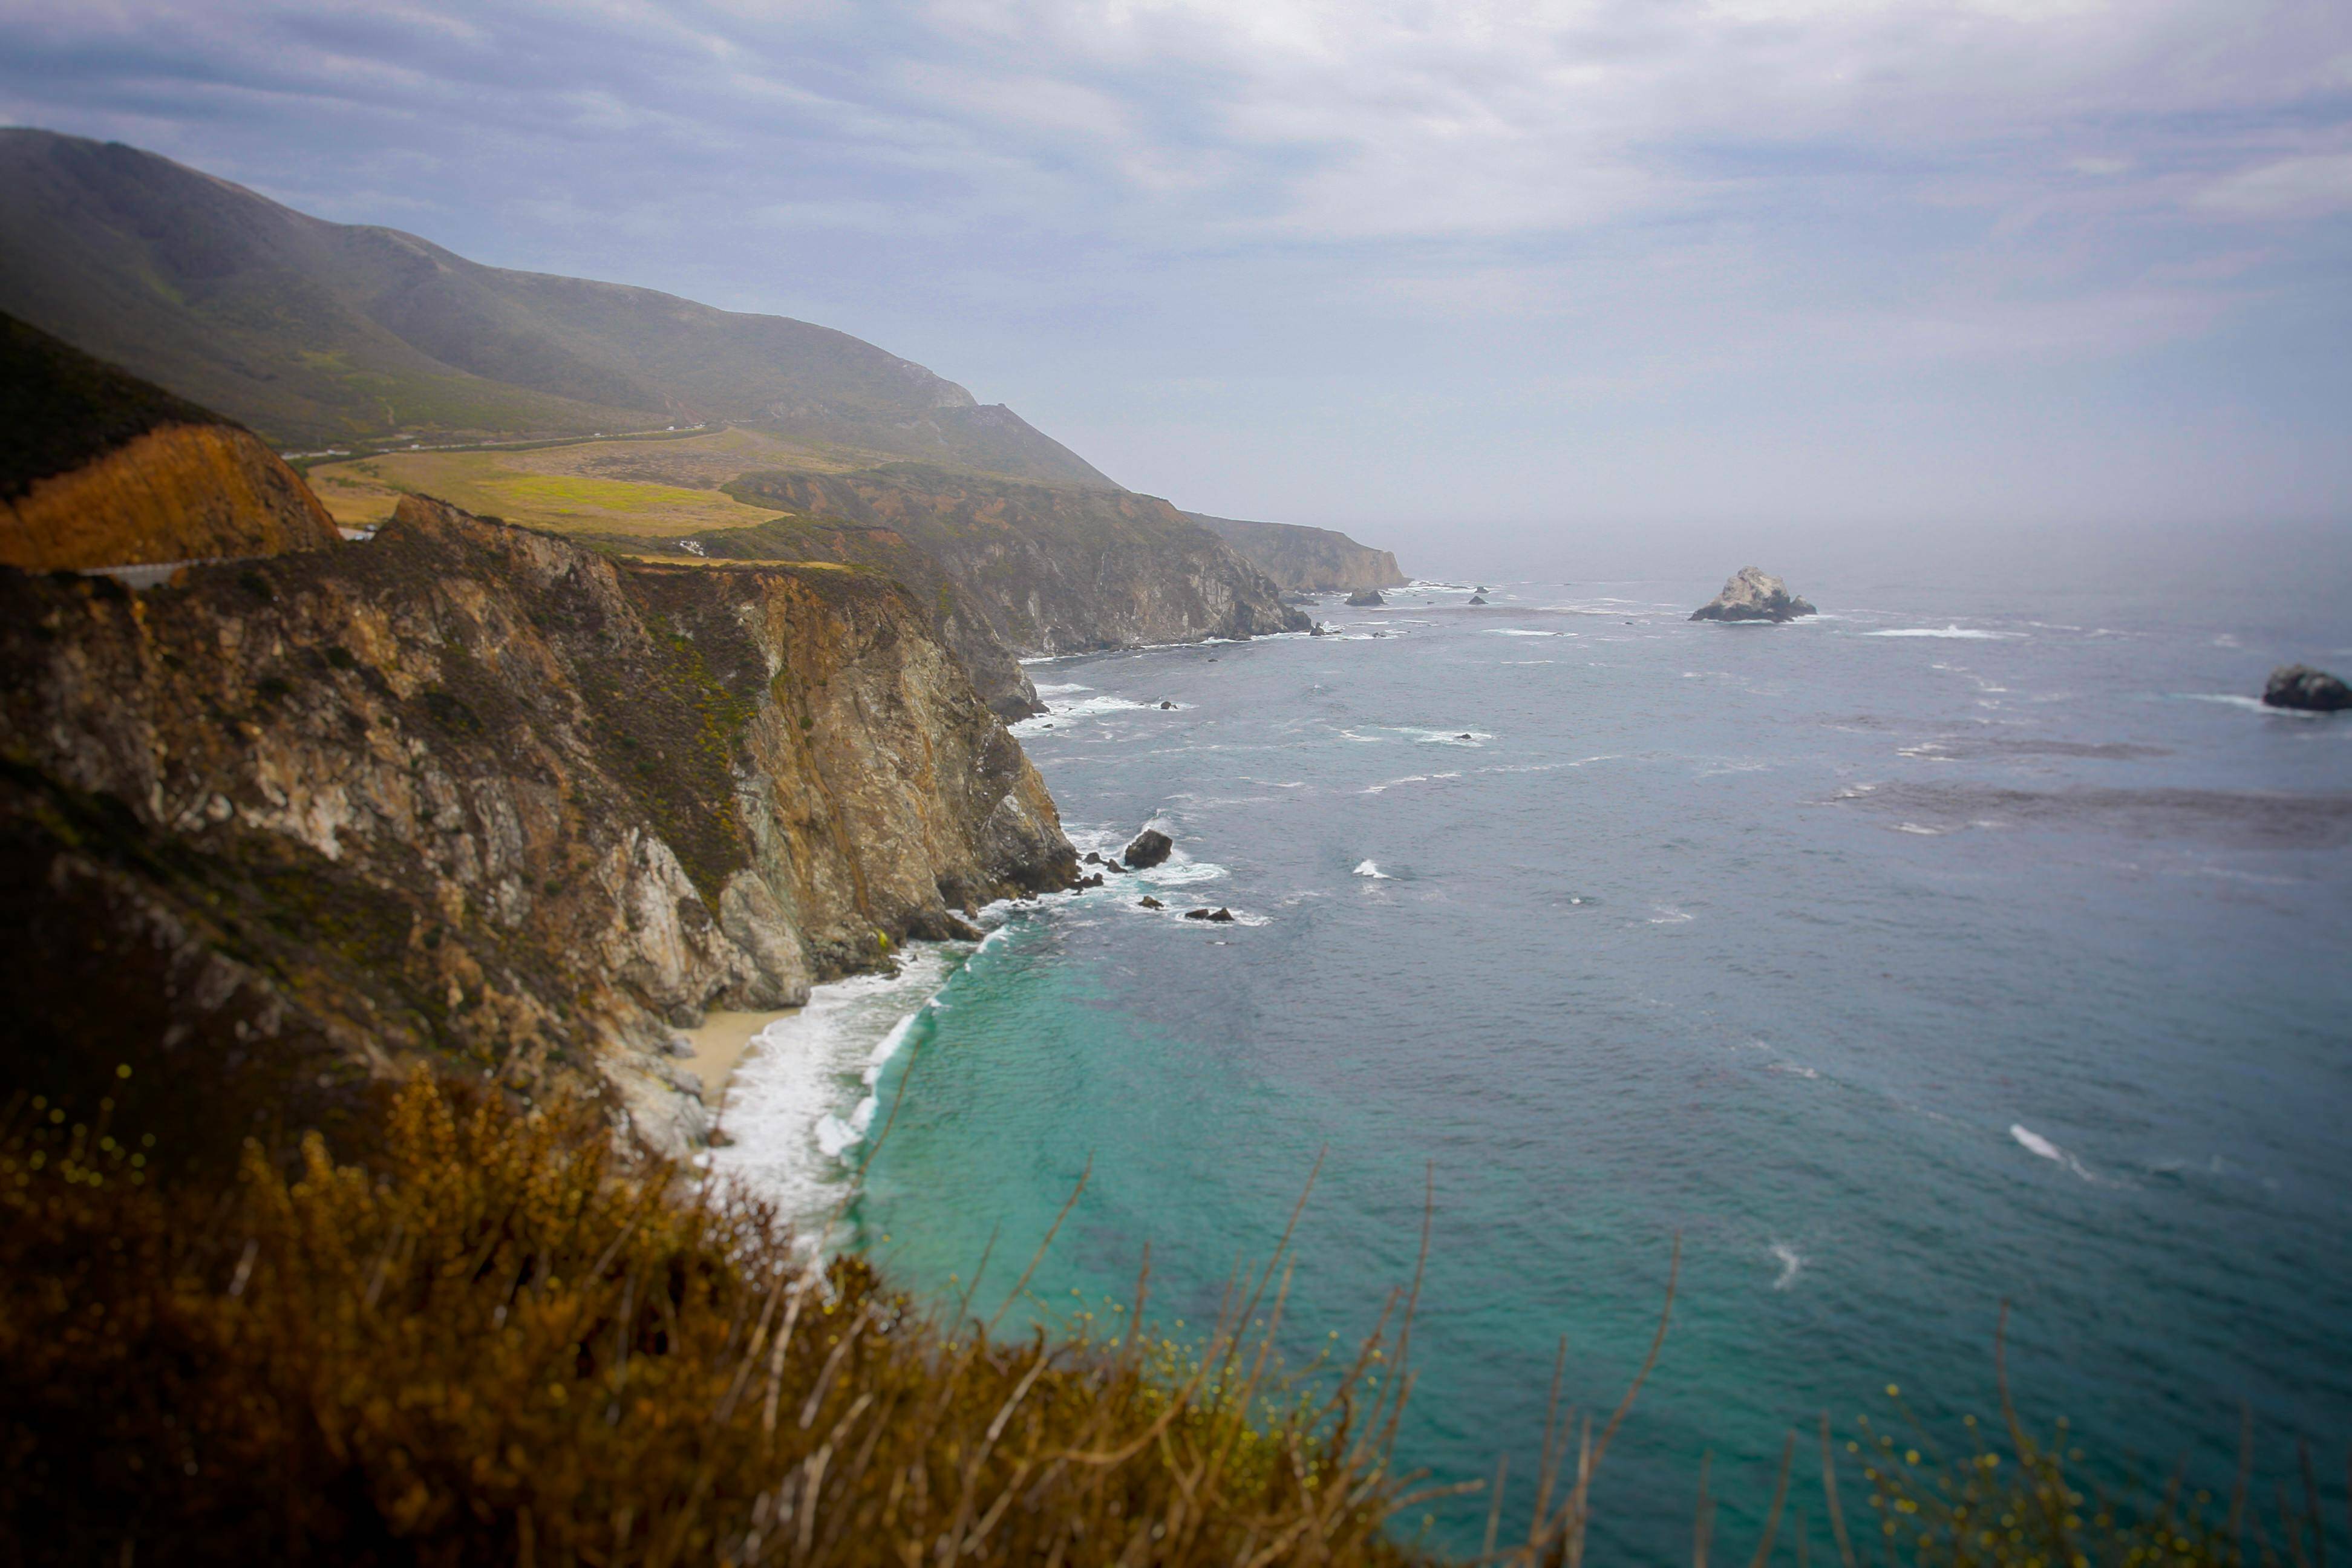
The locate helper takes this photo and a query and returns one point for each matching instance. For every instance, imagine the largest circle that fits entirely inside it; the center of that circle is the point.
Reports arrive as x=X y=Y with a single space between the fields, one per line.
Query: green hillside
x=315 y=333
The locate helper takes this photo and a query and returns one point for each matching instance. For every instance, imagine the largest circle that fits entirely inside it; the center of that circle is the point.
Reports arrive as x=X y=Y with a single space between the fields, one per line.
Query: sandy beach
x=721 y=1044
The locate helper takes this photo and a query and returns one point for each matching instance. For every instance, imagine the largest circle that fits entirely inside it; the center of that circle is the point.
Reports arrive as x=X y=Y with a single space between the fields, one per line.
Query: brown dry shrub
x=496 y=1344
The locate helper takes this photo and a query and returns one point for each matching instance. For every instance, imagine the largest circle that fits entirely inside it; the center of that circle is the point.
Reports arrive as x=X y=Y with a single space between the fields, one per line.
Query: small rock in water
x=1093 y=858
x=1223 y=916
x=1150 y=848
x=1165 y=707
x=1477 y=598
x=1094 y=881
x=2312 y=690
x=1465 y=735
x=1753 y=596
x=1316 y=630
x=1149 y=903
x=1362 y=597
x=1196 y=914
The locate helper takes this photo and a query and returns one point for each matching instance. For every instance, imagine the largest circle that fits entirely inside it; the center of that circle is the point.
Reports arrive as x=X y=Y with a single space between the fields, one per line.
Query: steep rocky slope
x=475 y=794
x=1306 y=559
x=1050 y=570
x=314 y=332
x=100 y=468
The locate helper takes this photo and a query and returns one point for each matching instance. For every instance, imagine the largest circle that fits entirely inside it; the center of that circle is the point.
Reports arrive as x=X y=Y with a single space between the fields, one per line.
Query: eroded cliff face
x=1050 y=571
x=181 y=492
x=479 y=794
x=1306 y=559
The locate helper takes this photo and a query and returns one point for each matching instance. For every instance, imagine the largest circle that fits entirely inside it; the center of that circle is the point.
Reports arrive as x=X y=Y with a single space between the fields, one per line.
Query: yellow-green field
x=655 y=488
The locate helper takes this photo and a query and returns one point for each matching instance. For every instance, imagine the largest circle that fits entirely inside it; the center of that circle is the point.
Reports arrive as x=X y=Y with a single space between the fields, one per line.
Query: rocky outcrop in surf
x=1366 y=599
x=1149 y=847
x=1753 y=596
x=2299 y=686
x=475 y=796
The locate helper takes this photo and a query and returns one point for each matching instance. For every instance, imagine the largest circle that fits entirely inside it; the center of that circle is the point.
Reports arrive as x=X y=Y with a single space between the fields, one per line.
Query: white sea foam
x=2037 y=1144
x=2249 y=704
x=1923 y=832
x=1062 y=690
x=1792 y=1261
x=1668 y=915
x=1371 y=869
x=1059 y=714
x=1519 y=632
x=802 y=1100
x=1967 y=634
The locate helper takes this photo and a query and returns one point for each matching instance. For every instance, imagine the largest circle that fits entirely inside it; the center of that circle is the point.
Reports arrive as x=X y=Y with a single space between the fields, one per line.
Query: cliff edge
x=1306 y=559
x=480 y=796
x=100 y=468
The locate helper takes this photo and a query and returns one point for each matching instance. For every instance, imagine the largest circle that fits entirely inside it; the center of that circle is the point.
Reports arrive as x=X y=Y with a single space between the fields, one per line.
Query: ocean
x=1978 y=940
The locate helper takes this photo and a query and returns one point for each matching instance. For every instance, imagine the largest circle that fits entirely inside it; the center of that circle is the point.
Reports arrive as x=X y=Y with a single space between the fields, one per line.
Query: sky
x=1412 y=267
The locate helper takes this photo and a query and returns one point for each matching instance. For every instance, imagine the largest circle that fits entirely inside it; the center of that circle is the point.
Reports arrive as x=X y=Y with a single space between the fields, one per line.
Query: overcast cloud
x=1398 y=266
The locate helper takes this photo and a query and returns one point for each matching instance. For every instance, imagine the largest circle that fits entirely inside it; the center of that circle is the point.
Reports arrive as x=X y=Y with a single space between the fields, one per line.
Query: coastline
x=720 y=1045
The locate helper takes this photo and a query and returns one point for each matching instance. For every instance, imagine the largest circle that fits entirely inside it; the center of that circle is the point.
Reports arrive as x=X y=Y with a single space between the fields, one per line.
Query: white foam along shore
x=802 y=1101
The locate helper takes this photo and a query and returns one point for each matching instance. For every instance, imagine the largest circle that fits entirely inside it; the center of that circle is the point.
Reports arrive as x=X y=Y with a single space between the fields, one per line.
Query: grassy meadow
x=653 y=487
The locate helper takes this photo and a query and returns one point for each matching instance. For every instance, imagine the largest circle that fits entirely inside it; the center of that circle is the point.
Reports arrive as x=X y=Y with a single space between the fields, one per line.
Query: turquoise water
x=1943 y=951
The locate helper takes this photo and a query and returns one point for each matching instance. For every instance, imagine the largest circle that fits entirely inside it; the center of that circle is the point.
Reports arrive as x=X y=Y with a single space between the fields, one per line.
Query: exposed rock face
x=1478 y=598
x=1054 y=571
x=467 y=793
x=2313 y=690
x=99 y=469
x=1753 y=596
x=1313 y=560
x=1150 y=848
x=1365 y=598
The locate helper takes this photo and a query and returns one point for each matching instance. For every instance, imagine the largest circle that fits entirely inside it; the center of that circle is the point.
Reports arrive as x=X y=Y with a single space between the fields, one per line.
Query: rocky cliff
x=475 y=795
x=1306 y=559
x=1013 y=570
x=99 y=469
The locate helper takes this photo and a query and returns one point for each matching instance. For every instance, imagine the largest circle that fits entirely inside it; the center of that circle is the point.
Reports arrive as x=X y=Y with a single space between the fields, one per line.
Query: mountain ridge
x=313 y=332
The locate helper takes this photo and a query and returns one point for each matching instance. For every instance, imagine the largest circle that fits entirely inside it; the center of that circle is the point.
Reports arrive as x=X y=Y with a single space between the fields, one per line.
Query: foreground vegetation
x=494 y=1341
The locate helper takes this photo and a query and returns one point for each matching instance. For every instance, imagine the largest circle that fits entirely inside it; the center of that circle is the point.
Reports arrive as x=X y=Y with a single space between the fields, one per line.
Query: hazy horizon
x=1458 y=280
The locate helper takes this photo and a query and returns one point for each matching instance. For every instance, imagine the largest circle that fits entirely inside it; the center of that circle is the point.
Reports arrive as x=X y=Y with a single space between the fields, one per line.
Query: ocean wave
x=803 y=1097
x=1921 y=831
x=1062 y=690
x=2034 y=1143
x=1967 y=634
x=1370 y=869
x=1791 y=1262
x=1518 y=631
x=2247 y=704
x=1084 y=707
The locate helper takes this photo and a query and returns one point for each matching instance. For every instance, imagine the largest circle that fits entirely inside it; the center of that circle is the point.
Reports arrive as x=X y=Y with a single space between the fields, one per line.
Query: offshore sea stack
x=1753 y=596
x=1150 y=848
x=1366 y=597
x=2309 y=690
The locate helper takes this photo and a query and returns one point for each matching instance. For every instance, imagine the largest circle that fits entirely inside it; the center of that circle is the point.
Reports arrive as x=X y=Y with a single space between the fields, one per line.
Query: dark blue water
x=1951 y=949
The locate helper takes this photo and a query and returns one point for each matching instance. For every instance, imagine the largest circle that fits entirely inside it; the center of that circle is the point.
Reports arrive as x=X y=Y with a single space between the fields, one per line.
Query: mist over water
x=1979 y=940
